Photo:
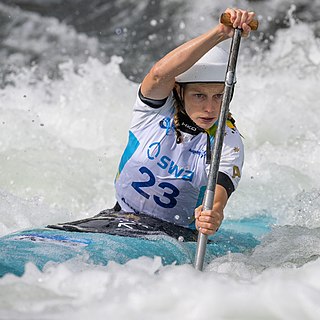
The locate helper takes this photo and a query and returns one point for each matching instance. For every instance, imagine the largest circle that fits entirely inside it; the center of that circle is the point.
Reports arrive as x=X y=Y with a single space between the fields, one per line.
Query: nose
x=211 y=105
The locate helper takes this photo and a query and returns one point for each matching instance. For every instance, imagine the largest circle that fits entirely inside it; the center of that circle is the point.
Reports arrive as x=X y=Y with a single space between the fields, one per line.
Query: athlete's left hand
x=208 y=221
x=240 y=19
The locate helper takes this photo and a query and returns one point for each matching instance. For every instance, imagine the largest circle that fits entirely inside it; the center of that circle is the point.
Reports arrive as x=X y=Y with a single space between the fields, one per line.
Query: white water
x=60 y=145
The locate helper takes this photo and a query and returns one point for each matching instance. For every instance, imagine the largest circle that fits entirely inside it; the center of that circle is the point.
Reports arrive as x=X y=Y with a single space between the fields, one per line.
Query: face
x=203 y=102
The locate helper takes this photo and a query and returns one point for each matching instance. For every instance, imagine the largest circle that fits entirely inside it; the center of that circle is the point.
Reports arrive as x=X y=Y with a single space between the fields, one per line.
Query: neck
x=187 y=125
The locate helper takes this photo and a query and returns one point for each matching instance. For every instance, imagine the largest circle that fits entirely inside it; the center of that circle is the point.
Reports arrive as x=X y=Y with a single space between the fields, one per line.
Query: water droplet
x=153 y=22
x=118 y=31
x=182 y=25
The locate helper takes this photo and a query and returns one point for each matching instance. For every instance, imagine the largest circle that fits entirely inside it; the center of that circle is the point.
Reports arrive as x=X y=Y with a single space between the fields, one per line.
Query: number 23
x=138 y=185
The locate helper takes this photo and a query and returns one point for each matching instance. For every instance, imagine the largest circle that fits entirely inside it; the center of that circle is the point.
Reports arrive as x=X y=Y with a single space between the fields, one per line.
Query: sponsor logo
x=200 y=153
x=153 y=150
x=165 y=123
x=166 y=163
x=55 y=239
x=188 y=126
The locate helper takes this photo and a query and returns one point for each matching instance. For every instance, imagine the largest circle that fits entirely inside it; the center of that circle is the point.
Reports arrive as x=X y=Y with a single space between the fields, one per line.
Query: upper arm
x=232 y=156
x=225 y=181
x=157 y=86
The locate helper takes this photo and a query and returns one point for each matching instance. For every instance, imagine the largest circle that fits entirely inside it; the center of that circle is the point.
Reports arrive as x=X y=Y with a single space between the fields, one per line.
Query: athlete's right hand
x=207 y=221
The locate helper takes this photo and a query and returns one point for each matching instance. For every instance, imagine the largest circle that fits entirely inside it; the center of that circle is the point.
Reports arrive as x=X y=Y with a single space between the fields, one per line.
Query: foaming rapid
x=143 y=289
x=63 y=138
x=60 y=145
x=279 y=123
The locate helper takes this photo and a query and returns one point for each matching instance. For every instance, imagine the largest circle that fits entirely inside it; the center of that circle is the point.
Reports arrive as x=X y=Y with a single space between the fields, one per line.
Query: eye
x=199 y=96
x=218 y=96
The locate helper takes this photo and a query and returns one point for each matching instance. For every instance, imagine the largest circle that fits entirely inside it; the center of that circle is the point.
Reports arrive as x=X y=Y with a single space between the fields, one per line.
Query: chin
x=205 y=126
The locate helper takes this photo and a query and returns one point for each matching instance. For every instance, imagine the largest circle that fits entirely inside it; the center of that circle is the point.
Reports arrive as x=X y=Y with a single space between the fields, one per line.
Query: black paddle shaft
x=218 y=142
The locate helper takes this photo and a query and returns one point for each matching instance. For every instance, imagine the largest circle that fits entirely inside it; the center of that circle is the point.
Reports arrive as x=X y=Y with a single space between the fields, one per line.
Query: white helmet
x=212 y=67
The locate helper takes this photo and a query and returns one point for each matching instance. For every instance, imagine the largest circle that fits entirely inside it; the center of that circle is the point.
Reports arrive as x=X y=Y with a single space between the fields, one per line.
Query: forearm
x=161 y=78
x=209 y=221
x=183 y=57
x=220 y=200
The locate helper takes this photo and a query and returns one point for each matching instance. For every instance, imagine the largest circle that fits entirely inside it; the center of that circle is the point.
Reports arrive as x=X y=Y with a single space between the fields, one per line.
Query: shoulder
x=232 y=135
x=145 y=115
x=233 y=147
x=232 y=155
x=147 y=105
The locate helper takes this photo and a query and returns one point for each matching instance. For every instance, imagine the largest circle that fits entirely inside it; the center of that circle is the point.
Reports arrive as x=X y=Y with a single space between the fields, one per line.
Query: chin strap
x=185 y=124
x=208 y=151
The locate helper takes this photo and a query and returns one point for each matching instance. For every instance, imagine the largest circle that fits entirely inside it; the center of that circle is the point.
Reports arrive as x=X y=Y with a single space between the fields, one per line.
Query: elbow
x=158 y=74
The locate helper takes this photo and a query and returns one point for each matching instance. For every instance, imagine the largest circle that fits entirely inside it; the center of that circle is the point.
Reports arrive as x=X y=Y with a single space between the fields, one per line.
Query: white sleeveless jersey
x=164 y=179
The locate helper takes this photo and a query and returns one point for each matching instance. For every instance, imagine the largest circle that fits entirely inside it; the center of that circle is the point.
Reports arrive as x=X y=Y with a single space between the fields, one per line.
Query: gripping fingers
x=237 y=20
x=232 y=13
x=237 y=16
x=208 y=222
x=242 y=19
x=245 y=23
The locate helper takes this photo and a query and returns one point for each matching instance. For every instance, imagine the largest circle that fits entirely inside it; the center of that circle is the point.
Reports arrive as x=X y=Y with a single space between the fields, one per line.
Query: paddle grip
x=225 y=19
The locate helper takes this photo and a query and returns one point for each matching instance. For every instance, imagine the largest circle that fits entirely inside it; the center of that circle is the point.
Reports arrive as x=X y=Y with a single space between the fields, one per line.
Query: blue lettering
x=188 y=175
x=163 y=164
x=166 y=163
x=200 y=153
x=175 y=169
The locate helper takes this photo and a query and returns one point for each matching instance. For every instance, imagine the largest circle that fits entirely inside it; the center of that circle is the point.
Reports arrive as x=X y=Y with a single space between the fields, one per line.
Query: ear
x=179 y=88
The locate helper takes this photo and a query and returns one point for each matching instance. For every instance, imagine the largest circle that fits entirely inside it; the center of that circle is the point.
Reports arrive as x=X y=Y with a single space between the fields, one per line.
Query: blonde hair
x=179 y=107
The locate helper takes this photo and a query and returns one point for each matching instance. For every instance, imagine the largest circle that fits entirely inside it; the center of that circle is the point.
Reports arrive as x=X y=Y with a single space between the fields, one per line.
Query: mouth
x=207 y=119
